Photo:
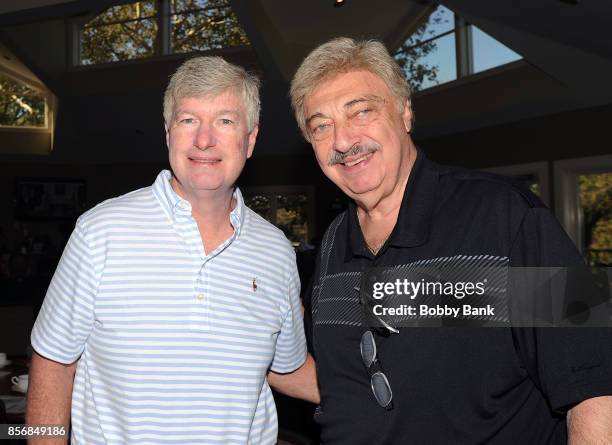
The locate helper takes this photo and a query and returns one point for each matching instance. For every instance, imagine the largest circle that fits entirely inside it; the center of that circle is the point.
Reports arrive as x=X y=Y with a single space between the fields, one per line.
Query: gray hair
x=204 y=76
x=342 y=55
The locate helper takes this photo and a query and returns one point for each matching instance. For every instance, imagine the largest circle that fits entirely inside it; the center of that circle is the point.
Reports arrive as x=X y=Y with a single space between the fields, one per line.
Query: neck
x=211 y=210
x=209 y=207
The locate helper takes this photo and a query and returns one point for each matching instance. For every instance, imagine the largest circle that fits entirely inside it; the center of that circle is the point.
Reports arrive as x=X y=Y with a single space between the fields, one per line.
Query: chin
x=355 y=192
x=205 y=181
x=359 y=188
x=207 y=186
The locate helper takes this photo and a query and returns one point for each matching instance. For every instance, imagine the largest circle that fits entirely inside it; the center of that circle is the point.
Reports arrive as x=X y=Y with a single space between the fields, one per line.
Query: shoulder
x=138 y=205
x=332 y=229
x=261 y=230
x=479 y=188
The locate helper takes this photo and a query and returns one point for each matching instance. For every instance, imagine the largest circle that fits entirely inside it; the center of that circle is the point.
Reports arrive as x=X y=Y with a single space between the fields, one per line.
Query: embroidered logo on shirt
x=254 y=284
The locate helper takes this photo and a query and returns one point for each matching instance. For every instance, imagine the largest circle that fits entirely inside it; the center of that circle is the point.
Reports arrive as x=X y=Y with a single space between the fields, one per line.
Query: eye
x=225 y=121
x=187 y=120
x=321 y=128
x=364 y=112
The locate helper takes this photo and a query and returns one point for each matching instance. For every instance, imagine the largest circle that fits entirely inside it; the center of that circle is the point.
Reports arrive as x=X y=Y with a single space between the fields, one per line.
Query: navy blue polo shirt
x=453 y=385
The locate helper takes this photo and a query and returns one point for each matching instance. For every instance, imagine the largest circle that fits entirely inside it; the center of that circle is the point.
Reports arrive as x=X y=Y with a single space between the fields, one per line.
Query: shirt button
x=201 y=296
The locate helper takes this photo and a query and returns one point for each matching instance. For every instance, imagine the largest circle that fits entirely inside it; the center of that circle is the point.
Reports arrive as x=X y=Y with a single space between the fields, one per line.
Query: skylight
x=429 y=56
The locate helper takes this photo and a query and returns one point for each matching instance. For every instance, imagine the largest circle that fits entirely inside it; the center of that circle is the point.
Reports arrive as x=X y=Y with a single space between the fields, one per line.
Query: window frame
x=464 y=54
x=567 y=201
x=162 y=46
x=538 y=169
x=49 y=104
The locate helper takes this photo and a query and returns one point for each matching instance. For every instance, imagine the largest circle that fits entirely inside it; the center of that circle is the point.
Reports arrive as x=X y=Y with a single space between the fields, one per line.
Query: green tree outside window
x=20 y=105
x=132 y=31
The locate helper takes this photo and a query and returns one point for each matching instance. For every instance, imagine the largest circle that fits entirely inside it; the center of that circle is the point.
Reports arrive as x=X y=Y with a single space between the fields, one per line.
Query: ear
x=252 y=139
x=167 y=135
x=407 y=116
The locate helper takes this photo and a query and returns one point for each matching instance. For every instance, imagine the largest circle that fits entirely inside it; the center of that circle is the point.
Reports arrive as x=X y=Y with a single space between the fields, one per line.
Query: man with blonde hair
x=389 y=385
x=172 y=303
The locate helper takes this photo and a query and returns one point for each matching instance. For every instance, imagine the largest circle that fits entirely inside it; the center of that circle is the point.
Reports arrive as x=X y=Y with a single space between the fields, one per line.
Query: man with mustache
x=428 y=385
x=172 y=303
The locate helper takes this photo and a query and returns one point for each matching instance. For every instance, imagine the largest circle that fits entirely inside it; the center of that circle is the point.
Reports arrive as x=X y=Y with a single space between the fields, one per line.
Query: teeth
x=355 y=162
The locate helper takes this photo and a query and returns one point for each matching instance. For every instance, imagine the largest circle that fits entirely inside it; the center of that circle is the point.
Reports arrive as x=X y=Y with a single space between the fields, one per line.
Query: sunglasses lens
x=381 y=389
x=368 y=348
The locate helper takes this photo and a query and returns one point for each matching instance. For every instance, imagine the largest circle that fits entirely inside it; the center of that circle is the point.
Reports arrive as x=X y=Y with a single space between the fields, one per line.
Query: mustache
x=338 y=157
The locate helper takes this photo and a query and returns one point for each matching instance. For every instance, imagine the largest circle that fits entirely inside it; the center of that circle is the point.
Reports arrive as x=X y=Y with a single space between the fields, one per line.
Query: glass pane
x=120 y=33
x=20 y=105
x=292 y=217
x=488 y=52
x=204 y=25
x=429 y=64
x=595 y=193
x=190 y=5
x=440 y=21
x=131 y=11
x=260 y=204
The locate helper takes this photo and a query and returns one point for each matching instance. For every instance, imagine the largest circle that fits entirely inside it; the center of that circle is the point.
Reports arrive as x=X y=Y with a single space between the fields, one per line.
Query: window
x=445 y=48
x=488 y=52
x=595 y=207
x=288 y=208
x=428 y=56
x=122 y=32
x=584 y=205
x=21 y=105
x=583 y=200
x=156 y=27
x=201 y=25
x=534 y=176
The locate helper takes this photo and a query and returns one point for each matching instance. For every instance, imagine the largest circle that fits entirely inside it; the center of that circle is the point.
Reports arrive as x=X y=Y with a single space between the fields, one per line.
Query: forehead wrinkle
x=366 y=98
x=184 y=110
x=229 y=111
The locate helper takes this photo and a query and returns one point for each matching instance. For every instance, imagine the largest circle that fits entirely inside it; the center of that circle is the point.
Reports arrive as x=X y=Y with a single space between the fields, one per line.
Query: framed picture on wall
x=49 y=199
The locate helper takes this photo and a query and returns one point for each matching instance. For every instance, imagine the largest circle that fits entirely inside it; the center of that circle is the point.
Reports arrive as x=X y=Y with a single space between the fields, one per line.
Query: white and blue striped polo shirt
x=174 y=343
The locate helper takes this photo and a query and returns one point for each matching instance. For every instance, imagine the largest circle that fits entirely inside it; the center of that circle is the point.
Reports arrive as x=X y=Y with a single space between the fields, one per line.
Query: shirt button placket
x=201 y=315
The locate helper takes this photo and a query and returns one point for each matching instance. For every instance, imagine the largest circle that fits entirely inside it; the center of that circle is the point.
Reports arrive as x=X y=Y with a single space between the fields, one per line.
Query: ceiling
x=8 y=6
x=566 y=47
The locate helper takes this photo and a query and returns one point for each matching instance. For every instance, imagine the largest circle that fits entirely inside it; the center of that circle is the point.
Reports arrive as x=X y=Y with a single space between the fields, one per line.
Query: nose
x=345 y=137
x=205 y=136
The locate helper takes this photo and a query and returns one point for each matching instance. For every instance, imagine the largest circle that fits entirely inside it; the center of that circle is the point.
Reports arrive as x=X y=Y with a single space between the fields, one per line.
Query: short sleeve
x=312 y=287
x=569 y=365
x=308 y=315
x=67 y=314
x=291 y=345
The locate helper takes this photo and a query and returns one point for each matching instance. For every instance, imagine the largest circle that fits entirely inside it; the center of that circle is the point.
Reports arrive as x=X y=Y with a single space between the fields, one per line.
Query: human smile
x=356 y=160
x=204 y=160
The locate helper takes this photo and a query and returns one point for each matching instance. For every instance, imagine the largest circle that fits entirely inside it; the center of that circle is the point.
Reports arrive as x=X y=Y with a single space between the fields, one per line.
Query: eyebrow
x=348 y=105
x=367 y=98
x=219 y=113
x=315 y=116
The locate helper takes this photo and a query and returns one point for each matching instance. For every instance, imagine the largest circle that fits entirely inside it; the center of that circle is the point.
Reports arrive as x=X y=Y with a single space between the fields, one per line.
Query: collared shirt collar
x=173 y=205
x=413 y=222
